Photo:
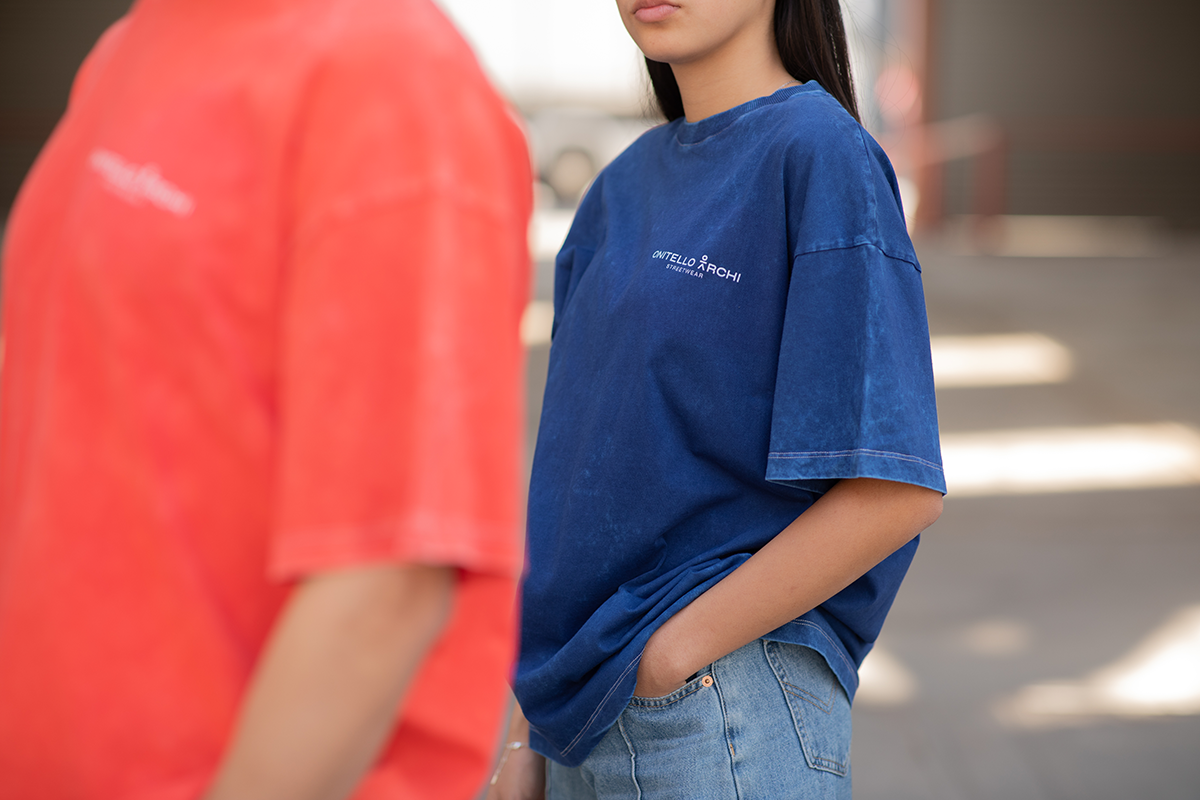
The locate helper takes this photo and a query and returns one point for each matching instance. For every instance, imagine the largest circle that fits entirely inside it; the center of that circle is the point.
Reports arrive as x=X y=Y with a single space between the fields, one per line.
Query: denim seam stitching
x=682 y=693
x=845 y=453
x=725 y=726
x=632 y=758
x=795 y=691
x=797 y=724
x=599 y=706
x=825 y=705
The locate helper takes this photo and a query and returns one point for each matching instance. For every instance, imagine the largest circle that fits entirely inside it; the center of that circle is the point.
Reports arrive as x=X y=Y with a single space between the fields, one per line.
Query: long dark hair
x=812 y=45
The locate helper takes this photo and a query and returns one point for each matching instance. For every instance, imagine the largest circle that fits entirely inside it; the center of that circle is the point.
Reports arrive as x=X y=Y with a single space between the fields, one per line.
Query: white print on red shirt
x=139 y=183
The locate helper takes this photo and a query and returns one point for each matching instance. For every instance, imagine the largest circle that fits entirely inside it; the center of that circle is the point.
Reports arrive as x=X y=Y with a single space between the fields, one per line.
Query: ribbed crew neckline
x=693 y=132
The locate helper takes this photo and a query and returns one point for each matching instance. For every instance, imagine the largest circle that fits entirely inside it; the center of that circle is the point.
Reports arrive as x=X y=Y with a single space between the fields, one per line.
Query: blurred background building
x=1038 y=107
x=1047 y=643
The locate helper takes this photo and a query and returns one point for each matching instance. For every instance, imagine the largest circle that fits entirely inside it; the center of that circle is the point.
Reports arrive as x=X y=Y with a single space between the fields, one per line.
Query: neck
x=745 y=69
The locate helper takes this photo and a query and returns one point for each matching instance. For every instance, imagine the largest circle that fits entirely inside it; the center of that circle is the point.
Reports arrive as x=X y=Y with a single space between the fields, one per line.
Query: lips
x=653 y=10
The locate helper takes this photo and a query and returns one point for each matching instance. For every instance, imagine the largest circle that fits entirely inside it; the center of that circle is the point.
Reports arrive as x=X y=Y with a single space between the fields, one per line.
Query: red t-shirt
x=261 y=300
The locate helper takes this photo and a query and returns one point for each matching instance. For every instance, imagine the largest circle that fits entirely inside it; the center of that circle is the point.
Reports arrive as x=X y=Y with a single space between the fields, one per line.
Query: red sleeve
x=401 y=368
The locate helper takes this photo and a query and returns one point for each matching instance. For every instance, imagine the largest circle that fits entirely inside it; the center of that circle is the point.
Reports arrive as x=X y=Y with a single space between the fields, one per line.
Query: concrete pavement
x=1017 y=606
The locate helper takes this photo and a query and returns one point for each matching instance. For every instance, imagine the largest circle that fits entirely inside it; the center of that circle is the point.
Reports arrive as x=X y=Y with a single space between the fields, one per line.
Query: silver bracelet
x=508 y=748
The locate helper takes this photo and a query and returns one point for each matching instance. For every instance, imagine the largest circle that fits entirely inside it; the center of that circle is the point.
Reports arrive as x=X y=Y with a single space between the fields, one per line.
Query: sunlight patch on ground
x=998 y=360
x=1159 y=677
x=997 y=638
x=884 y=681
x=1044 y=460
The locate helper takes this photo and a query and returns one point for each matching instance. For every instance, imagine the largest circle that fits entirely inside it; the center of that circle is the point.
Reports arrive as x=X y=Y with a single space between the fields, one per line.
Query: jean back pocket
x=819 y=706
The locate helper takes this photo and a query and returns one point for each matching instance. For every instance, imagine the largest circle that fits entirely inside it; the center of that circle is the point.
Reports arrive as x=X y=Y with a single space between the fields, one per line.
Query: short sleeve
x=401 y=370
x=854 y=390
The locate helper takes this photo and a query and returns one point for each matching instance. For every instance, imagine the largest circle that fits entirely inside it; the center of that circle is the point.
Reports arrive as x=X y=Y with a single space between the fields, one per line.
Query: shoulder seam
x=830 y=246
x=864 y=165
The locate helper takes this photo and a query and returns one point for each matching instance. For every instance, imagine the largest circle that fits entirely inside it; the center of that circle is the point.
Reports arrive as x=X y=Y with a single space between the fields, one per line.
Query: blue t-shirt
x=739 y=323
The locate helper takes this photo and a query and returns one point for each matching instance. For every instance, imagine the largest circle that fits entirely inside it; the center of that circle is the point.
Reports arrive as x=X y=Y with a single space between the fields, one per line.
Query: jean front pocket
x=675 y=745
x=701 y=680
x=818 y=704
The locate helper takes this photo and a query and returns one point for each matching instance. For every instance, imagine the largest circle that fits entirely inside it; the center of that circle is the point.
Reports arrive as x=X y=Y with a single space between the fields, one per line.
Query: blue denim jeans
x=766 y=722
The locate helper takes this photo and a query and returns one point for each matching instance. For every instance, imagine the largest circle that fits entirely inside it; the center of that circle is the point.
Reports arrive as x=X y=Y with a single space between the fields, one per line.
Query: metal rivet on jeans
x=706 y=680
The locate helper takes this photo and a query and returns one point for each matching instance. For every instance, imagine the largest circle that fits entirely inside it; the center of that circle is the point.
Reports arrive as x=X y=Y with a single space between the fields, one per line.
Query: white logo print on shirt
x=697 y=269
x=140 y=183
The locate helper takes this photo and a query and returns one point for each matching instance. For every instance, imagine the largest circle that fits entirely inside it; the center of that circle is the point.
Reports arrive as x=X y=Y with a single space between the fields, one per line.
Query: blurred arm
x=854 y=526
x=521 y=773
x=324 y=696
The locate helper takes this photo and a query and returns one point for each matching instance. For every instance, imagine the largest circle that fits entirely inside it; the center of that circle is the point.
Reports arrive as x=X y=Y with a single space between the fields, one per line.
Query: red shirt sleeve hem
x=481 y=546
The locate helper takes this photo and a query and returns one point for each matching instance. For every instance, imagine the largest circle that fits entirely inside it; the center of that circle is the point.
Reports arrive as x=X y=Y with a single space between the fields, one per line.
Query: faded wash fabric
x=739 y=323
x=767 y=721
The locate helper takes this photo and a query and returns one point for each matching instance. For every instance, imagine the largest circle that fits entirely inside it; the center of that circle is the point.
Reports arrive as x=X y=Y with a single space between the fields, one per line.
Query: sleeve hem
x=796 y=468
x=479 y=546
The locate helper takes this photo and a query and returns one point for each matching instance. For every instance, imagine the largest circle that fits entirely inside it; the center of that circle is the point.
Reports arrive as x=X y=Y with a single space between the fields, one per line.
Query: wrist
x=658 y=657
x=666 y=662
x=518 y=726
